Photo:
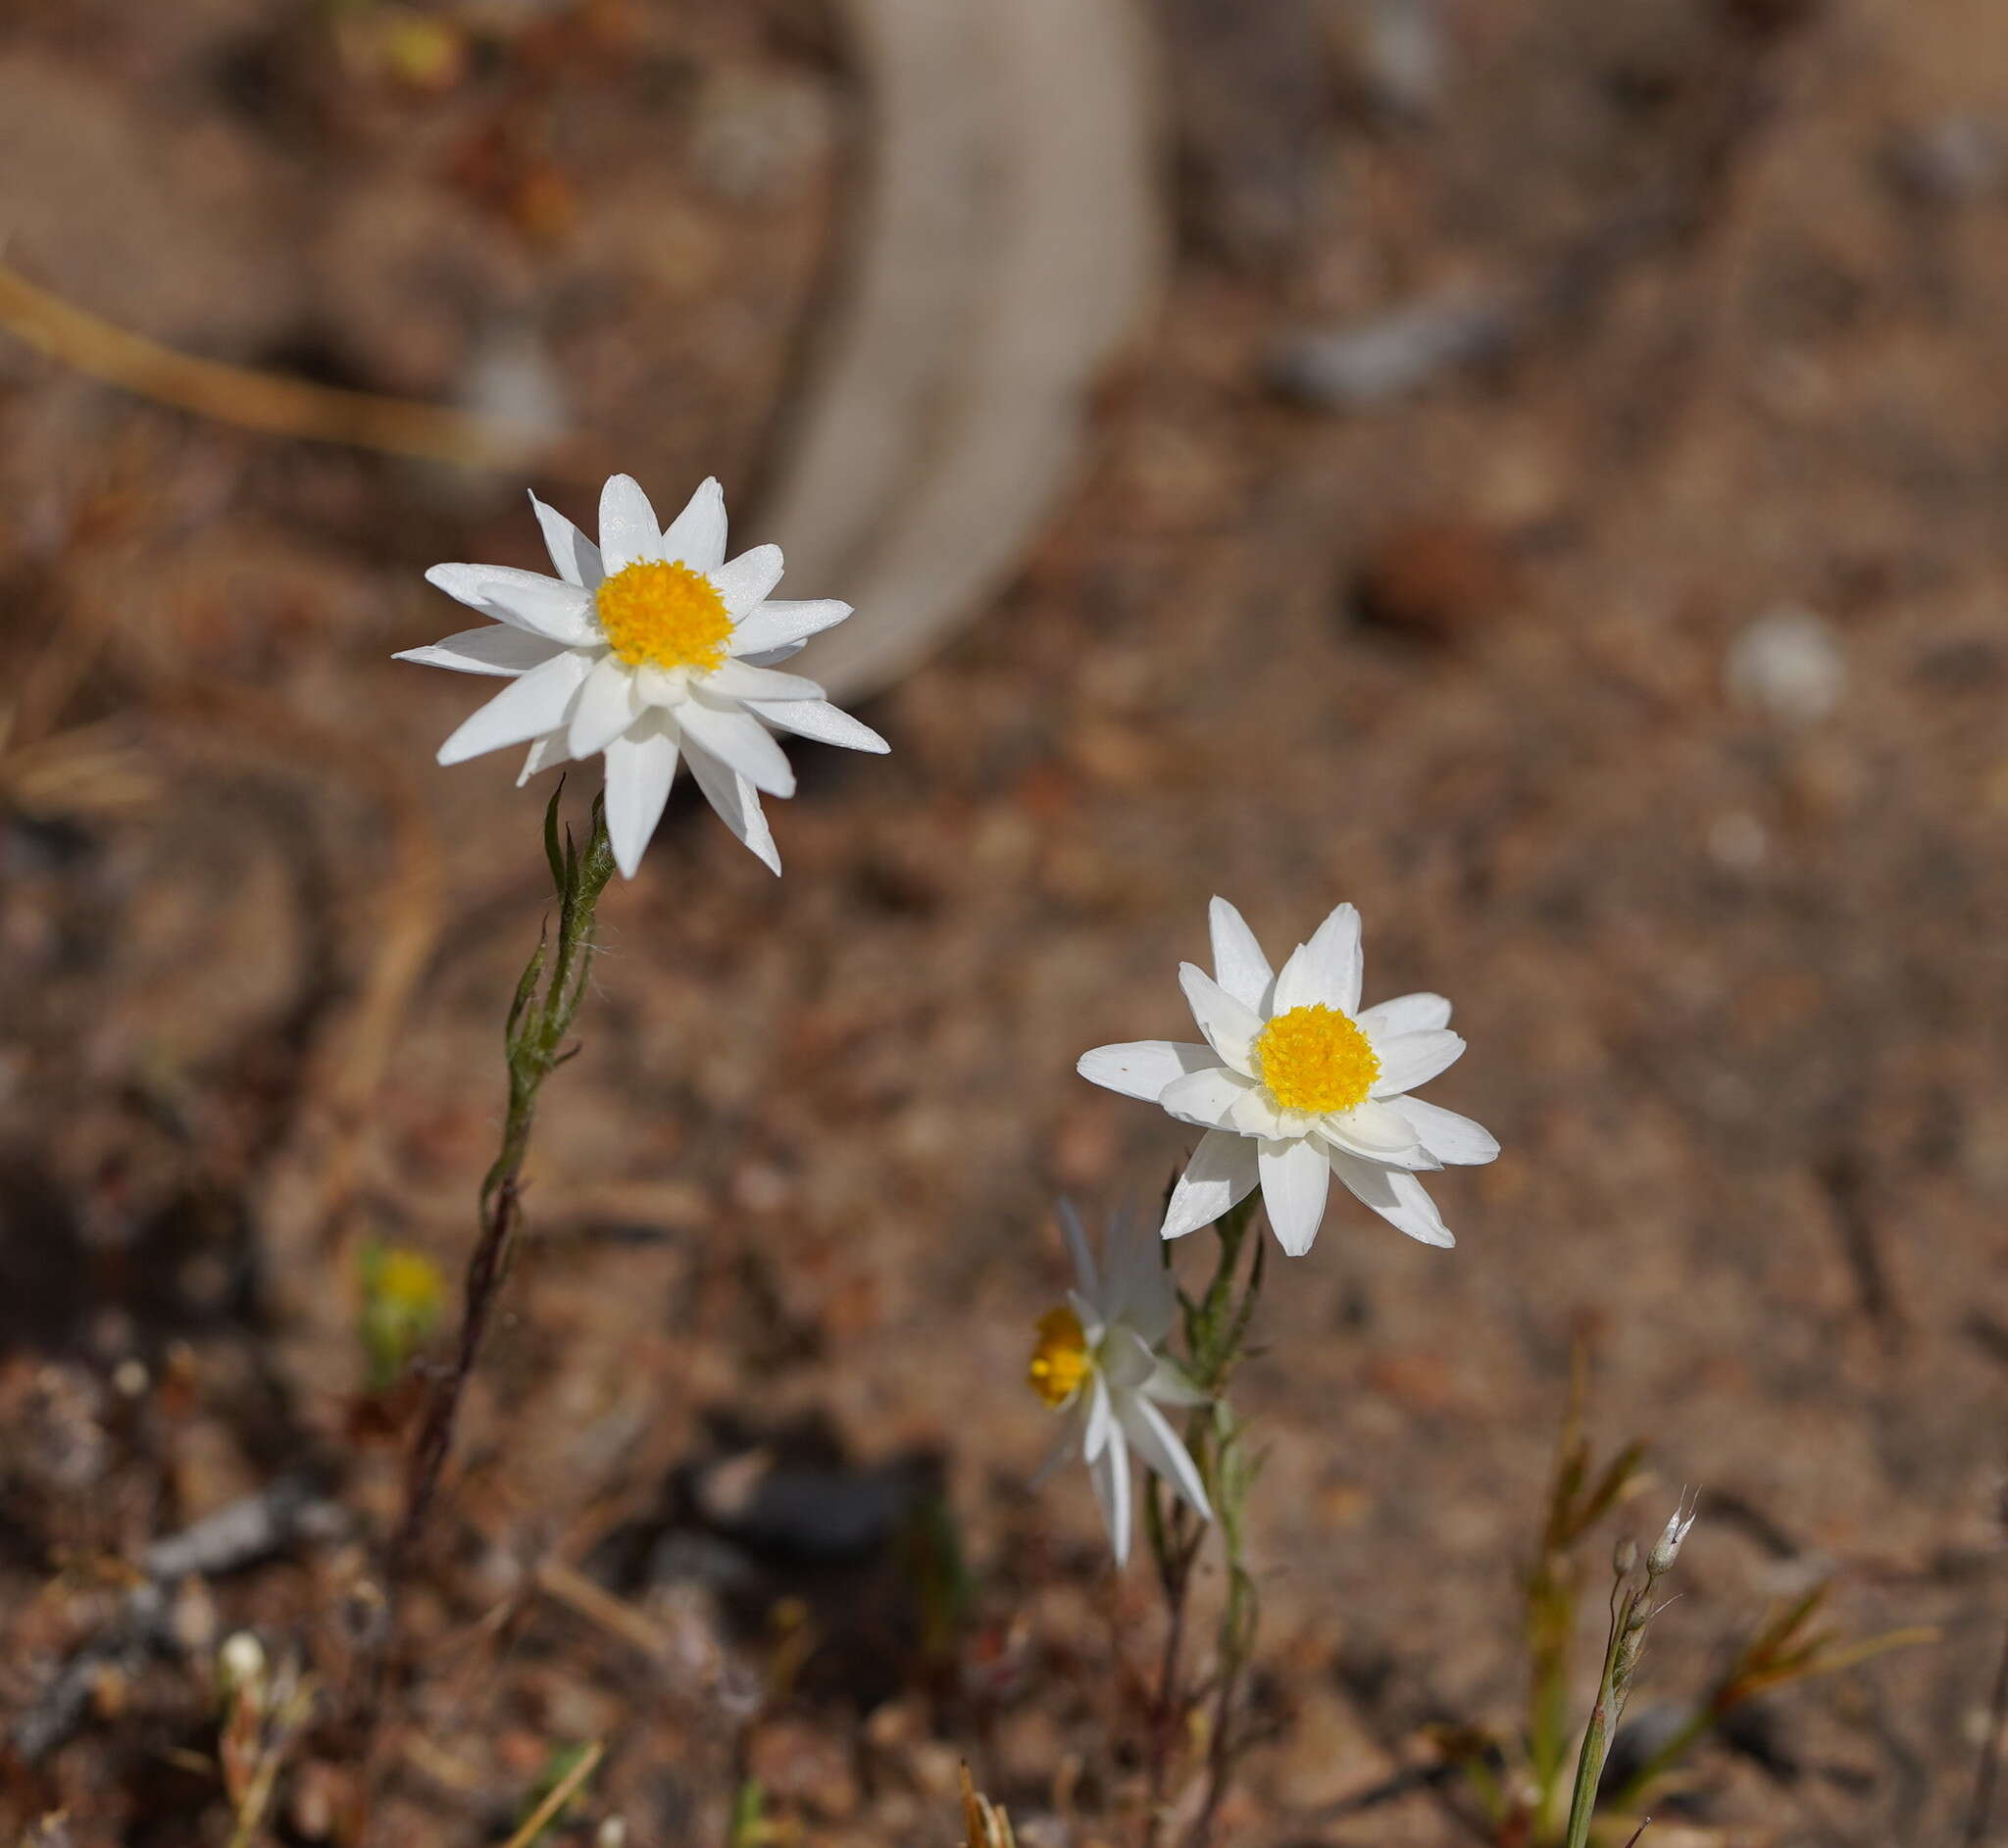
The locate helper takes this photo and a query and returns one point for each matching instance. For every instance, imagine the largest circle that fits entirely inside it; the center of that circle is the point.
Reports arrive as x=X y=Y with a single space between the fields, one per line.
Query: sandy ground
x=1641 y=681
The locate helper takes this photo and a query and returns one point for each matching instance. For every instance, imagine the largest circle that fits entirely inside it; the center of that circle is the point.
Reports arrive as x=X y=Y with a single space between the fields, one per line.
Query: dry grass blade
x=260 y=401
x=284 y=1727
x=561 y=1793
x=88 y=770
x=571 y=1587
x=985 y=1824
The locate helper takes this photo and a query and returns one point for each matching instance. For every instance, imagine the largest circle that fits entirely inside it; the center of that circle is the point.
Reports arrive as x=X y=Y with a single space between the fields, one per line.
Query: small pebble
x=1434 y=579
x=1374 y=363
x=1788 y=664
x=1737 y=842
x=1403 y=54
x=1953 y=160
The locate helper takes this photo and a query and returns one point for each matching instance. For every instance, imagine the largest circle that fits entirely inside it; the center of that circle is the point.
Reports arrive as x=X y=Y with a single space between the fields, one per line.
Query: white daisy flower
x=650 y=647
x=1296 y=1083
x=1098 y=1358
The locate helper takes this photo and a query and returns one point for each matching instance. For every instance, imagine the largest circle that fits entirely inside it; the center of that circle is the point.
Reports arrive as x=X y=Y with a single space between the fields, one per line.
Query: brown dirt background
x=1733 y=982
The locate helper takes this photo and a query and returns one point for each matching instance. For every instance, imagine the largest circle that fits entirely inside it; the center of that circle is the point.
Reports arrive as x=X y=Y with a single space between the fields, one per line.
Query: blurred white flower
x=1296 y=1083
x=650 y=647
x=1099 y=1359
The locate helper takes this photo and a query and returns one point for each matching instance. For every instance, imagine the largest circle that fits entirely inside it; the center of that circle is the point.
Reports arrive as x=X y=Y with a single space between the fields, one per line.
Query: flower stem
x=1603 y=1716
x=1176 y=1535
x=1631 y=1610
x=1216 y=1330
x=548 y=1001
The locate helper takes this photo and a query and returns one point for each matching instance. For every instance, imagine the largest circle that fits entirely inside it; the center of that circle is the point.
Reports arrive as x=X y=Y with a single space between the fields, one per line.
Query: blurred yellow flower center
x=1060 y=1362
x=1315 y=1059
x=410 y=1281
x=663 y=615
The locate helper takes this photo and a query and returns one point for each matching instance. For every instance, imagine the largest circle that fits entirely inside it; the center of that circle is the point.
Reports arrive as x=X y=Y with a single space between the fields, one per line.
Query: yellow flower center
x=1061 y=1360
x=663 y=615
x=1315 y=1059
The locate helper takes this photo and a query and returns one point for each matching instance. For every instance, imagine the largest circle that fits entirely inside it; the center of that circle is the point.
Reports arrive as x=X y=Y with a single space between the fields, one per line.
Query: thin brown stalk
x=484 y=1274
x=1216 y=1331
x=548 y=1001
x=1177 y=1540
x=1221 y=1749
x=1989 y=1773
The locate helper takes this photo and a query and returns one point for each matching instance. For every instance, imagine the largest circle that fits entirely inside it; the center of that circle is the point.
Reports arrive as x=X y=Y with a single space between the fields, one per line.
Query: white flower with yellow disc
x=1297 y=1082
x=1099 y=1358
x=653 y=648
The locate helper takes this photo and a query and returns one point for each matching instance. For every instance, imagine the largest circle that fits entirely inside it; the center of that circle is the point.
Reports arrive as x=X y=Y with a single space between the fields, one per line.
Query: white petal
x=736 y=803
x=1378 y=1132
x=574 y=557
x=1141 y=1291
x=1408 y=1160
x=627 y=529
x=1411 y=1059
x=1222 y=1172
x=544 y=753
x=536 y=703
x=744 y=581
x=1420 y=1211
x=1154 y=1440
x=1325 y=972
x=696 y=537
x=1079 y=1249
x=737 y=739
x=1405 y=1014
x=639 y=770
x=606 y=708
x=773 y=657
x=1449 y=1136
x=1295 y=1176
x=1142 y=1068
x=774 y=623
x=1205 y=1098
x=1230 y=1026
x=818 y=719
x=1257 y=1113
x=1169 y=1385
x=498 y=649
x=1238 y=965
x=1398 y=1198
x=1110 y=1477
x=1126 y=1363
x=1097 y=1418
x=660 y=687
x=523 y=599
x=738 y=680
x=1063 y=1447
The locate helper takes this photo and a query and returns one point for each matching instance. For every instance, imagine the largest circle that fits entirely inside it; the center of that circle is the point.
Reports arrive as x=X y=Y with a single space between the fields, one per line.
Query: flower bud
x=240 y=1661
x=1660 y=1561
